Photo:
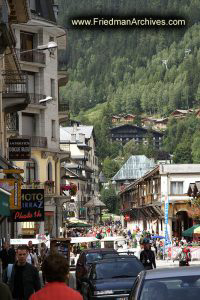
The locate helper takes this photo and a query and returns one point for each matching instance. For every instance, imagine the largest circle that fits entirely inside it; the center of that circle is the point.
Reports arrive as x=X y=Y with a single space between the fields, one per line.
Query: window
x=31 y=171
x=53 y=129
x=53 y=88
x=176 y=188
x=26 y=43
x=32 y=5
x=49 y=171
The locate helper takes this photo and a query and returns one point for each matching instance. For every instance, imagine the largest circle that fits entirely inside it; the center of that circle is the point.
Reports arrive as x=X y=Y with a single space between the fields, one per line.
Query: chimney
x=81 y=138
x=74 y=127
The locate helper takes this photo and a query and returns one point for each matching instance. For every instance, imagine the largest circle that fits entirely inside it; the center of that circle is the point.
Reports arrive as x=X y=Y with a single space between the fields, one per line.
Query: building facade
x=39 y=121
x=143 y=202
x=140 y=135
x=83 y=165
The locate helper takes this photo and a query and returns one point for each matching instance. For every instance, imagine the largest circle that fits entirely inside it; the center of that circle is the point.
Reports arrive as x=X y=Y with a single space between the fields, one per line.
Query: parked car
x=111 y=278
x=86 y=258
x=167 y=284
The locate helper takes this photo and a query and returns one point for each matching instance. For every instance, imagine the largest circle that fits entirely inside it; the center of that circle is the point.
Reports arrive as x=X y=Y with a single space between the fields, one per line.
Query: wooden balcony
x=63 y=112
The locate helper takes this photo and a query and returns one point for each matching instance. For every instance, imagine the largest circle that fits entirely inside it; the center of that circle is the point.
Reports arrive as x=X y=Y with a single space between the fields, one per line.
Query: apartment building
x=82 y=170
x=143 y=202
x=39 y=121
x=11 y=99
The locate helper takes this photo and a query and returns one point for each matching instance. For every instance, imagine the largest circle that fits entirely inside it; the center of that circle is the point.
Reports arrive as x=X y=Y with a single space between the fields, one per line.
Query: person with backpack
x=147 y=256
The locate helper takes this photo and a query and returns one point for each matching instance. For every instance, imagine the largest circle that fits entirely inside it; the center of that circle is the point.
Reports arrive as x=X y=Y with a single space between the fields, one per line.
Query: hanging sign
x=13 y=186
x=32 y=206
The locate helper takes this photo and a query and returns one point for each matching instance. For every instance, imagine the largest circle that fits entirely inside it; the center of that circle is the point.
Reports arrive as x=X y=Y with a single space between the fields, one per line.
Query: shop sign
x=19 y=149
x=32 y=206
x=13 y=186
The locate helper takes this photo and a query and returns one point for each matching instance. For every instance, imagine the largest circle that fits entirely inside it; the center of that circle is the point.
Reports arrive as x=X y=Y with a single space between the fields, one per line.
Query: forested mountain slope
x=125 y=67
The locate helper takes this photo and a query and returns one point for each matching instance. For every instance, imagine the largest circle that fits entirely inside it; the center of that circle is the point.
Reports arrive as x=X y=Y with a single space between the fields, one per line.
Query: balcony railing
x=62 y=107
x=34 y=99
x=37 y=141
x=12 y=122
x=34 y=56
x=48 y=189
x=14 y=83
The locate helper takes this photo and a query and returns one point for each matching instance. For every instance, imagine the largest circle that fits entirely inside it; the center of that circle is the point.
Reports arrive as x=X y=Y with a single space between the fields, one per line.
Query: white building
x=82 y=169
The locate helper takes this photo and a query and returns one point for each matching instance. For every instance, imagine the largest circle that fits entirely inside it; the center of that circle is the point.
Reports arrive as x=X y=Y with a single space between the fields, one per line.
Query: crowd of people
x=20 y=274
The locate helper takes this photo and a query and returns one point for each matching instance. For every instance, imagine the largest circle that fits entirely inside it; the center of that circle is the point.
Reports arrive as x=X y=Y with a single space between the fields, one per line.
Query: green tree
x=182 y=154
x=110 y=198
x=196 y=149
x=110 y=168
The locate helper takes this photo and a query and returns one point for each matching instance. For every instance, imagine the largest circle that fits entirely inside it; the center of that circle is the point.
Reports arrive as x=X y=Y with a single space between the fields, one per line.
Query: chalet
x=160 y=124
x=115 y=119
x=144 y=199
x=127 y=132
x=180 y=113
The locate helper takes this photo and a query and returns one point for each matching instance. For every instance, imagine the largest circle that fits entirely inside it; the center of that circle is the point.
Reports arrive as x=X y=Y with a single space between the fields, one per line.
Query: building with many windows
x=140 y=135
x=82 y=170
x=143 y=201
x=39 y=121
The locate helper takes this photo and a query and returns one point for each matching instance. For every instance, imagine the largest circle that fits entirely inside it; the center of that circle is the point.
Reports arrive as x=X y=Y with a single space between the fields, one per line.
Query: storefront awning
x=4 y=203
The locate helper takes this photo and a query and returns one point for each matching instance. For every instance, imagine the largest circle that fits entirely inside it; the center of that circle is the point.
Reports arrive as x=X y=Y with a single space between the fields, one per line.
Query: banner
x=32 y=206
x=167 y=239
x=13 y=186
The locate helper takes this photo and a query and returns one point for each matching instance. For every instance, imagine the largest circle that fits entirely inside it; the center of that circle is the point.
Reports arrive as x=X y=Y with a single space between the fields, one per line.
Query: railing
x=14 y=83
x=48 y=189
x=12 y=122
x=34 y=98
x=35 y=56
x=37 y=141
x=63 y=107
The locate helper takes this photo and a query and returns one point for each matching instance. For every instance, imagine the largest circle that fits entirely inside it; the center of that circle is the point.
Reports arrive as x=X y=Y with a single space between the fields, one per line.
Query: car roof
x=172 y=272
x=116 y=258
x=96 y=250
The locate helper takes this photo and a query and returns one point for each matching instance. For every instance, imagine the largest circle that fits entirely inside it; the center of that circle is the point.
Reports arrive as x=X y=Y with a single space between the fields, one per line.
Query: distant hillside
x=125 y=67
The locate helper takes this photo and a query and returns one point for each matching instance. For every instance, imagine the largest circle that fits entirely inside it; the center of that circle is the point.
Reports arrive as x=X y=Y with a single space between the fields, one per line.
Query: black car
x=86 y=258
x=111 y=278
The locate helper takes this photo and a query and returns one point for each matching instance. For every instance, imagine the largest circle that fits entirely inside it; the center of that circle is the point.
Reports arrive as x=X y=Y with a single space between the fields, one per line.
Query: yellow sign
x=11 y=171
x=14 y=187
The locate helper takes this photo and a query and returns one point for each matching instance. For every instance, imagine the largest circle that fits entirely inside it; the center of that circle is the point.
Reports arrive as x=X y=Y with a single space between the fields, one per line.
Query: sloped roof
x=135 y=167
x=65 y=132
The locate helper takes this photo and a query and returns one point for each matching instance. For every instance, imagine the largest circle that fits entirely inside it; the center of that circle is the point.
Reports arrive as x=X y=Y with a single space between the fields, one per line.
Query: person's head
x=55 y=268
x=21 y=254
x=6 y=245
x=30 y=244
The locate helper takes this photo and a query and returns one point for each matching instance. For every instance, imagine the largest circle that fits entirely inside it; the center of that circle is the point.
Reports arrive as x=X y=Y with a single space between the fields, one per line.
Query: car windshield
x=91 y=257
x=183 y=287
x=117 y=269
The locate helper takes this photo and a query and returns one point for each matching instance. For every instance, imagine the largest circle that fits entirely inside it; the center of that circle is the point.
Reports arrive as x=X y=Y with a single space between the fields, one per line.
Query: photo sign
x=19 y=149
x=32 y=206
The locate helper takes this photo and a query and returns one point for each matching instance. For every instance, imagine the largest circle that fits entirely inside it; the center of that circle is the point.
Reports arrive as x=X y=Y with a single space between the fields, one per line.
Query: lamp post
x=51 y=46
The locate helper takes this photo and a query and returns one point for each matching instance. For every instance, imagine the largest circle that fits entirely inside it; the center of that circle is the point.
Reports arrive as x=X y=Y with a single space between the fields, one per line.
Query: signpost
x=32 y=206
x=19 y=149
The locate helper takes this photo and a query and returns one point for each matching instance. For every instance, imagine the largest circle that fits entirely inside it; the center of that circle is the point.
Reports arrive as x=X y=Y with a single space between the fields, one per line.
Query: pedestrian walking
x=147 y=256
x=56 y=270
x=5 y=293
x=24 y=277
x=7 y=256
